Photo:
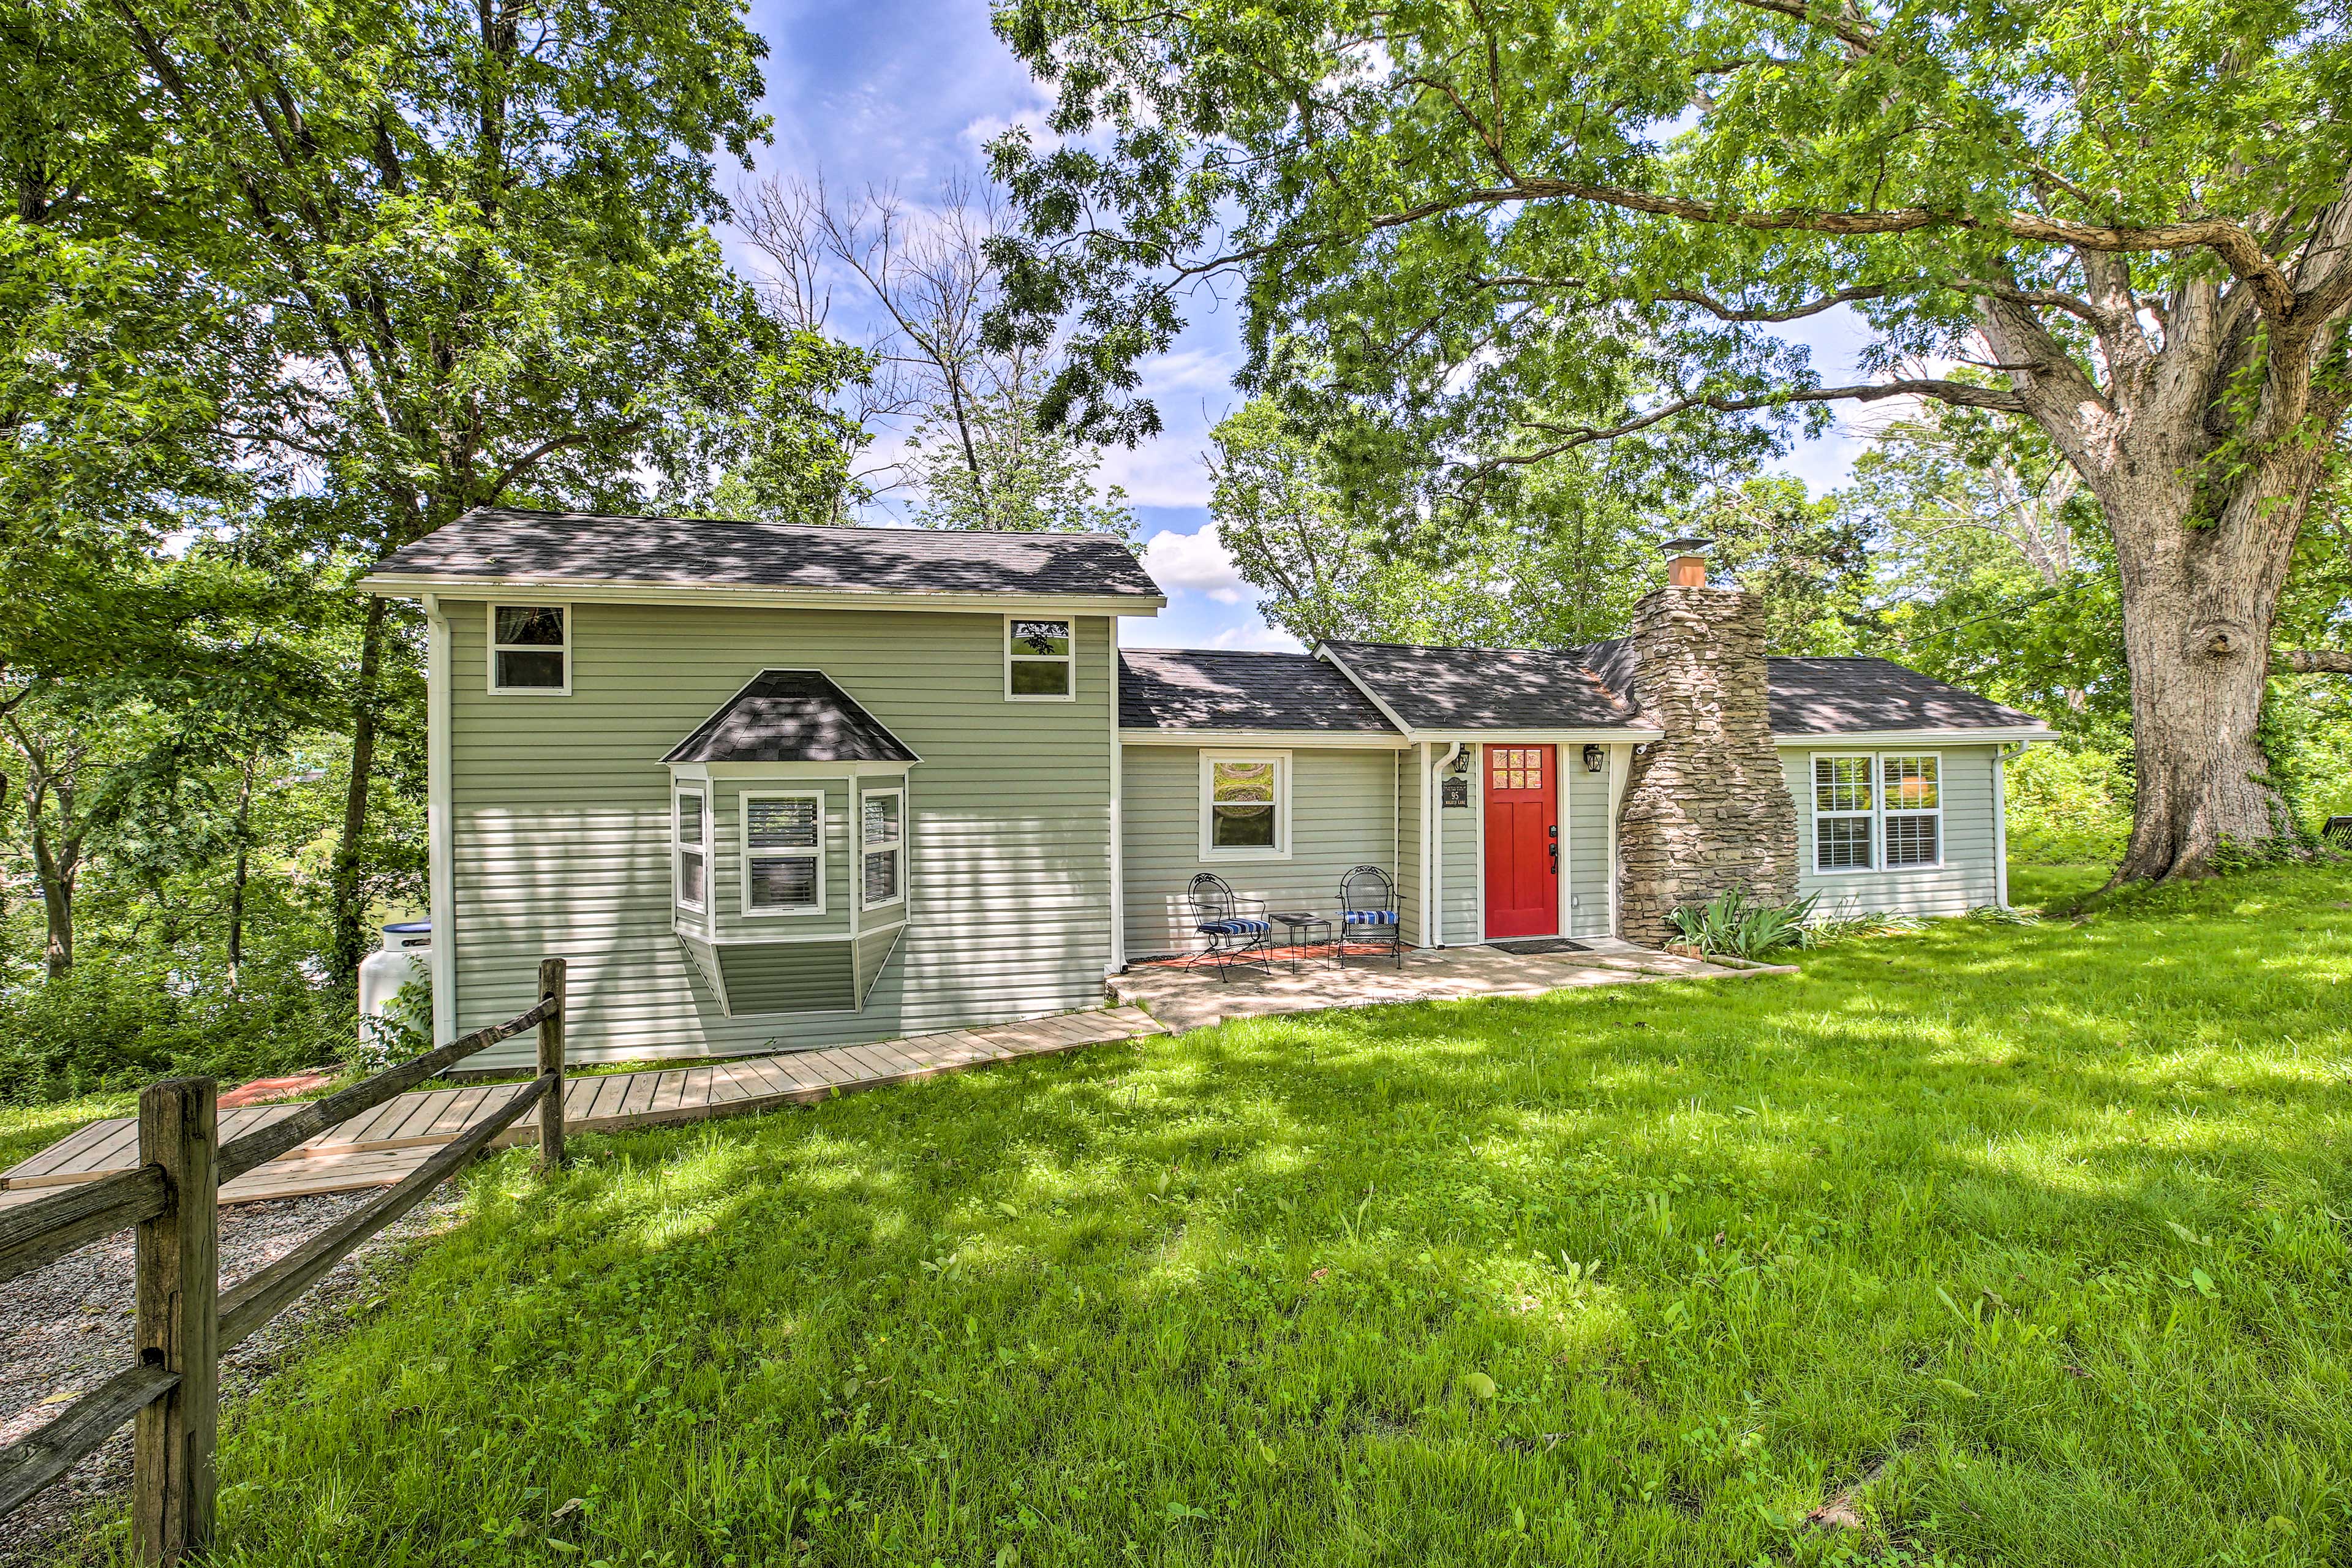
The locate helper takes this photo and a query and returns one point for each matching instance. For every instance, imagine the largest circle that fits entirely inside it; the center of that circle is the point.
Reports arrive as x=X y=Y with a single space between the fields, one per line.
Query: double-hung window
x=784 y=852
x=530 y=650
x=691 y=835
x=1040 y=663
x=883 y=843
x=1245 y=805
x=1878 y=811
x=1911 y=798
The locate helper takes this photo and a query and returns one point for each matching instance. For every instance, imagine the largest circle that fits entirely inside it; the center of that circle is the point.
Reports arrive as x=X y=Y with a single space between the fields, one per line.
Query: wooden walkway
x=378 y=1148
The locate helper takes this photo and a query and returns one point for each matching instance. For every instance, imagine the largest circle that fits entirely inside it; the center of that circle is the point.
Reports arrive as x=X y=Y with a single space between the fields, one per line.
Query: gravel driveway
x=68 y=1327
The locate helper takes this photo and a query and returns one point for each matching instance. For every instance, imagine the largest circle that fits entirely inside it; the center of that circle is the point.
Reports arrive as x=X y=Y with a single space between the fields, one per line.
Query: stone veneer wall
x=1707 y=807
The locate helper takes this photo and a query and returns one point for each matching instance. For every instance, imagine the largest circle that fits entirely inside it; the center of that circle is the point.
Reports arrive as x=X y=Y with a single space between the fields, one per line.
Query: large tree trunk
x=350 y=898
x=2199 y=599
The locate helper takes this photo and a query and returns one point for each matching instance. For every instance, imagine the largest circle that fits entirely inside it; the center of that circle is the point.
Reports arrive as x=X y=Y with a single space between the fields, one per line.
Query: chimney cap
x=1688 y=546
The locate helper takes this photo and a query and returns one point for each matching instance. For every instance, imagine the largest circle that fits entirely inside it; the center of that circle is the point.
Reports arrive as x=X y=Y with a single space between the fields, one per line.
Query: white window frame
x=1868 y=815
x=896 y=847
x=490 y=637
x=1213 y=851
x=1069 y=661
x=679 y=846
x=1877 y=816
x=746 y=854
x=1885 y=812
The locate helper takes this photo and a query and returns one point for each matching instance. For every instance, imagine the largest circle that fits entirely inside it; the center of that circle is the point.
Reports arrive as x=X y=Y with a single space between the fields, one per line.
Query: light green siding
x=1968 y=877
x=1460 y=921
x=1343 y=813
x=1587 y=832
x=788 y=978
x=559 y=824
x=1411 y=767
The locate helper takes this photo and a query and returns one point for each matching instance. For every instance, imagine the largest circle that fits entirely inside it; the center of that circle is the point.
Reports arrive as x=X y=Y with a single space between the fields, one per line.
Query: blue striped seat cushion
x=1235 y=928
x=1372 y=916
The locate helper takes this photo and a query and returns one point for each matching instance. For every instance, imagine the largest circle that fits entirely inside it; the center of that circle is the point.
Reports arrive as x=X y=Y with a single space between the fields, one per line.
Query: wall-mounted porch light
x=1595 y=759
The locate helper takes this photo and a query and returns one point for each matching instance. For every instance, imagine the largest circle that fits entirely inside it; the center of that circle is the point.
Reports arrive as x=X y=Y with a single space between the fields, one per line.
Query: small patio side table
x=1301 y=924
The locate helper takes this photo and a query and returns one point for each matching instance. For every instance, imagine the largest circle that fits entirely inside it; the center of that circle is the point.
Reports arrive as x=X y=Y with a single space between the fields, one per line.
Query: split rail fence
x=184 y=1320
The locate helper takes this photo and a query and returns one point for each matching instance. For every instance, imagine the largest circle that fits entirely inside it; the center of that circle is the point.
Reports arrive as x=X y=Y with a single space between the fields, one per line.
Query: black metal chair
x=1367 y=911
x=1227 y=921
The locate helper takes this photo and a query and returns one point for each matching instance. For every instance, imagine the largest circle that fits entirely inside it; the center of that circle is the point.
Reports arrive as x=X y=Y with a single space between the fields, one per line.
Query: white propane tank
x=384 y=972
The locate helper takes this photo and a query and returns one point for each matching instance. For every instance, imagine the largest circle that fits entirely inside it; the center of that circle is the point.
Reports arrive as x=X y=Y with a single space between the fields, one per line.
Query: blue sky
x=905 y=93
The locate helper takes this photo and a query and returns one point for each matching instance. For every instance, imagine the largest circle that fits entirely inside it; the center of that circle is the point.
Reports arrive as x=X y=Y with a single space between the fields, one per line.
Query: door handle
x=1555 y=860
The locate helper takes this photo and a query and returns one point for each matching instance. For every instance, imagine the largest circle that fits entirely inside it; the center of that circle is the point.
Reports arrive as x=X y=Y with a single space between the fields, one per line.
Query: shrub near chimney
x=1707 y=807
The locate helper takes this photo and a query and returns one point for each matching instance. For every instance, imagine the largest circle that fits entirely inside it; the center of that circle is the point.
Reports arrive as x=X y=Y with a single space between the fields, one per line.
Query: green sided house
x=774 y=787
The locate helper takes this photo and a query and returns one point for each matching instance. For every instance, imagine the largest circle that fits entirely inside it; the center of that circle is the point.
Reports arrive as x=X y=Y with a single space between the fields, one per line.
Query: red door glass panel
x=1522 y=841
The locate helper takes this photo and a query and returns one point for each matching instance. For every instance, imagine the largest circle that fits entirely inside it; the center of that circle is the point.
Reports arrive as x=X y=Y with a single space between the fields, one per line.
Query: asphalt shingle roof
x=1846 y=695
x=1203 y=688
x=791 y=716
x=1485 y=688
x=693 y=551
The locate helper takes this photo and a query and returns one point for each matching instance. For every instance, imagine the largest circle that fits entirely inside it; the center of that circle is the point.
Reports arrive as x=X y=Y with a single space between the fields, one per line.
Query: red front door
x=1522 y=842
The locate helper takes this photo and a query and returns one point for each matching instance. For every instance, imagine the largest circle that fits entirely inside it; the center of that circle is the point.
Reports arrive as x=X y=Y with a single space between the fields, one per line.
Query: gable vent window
x=783 y=854
x=693 y=849
x=883 y=845
x=530 y=650
x=1039 y=663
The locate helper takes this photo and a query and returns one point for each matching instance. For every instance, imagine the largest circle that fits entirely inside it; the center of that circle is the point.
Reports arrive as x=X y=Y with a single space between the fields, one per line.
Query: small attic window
x=530 y=650
x=1040 y=664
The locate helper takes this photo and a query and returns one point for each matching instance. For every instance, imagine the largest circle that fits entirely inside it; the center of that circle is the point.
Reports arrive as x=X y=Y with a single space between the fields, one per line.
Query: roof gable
x=791 y=716
x=491 y=544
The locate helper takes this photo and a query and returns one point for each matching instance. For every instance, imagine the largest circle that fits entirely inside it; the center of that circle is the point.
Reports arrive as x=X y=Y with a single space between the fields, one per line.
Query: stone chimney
x=1707 y=807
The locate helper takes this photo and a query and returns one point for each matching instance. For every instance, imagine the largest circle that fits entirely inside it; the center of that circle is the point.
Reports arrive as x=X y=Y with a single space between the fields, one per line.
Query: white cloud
x=1258 y=637
x=1167 y=471
x=1195 y=563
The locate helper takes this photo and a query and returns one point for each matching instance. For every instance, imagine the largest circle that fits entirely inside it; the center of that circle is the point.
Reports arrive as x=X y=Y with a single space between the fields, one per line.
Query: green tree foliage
x=998 y=468
x=284 y=287
x=473 y=243
x=1512 y=231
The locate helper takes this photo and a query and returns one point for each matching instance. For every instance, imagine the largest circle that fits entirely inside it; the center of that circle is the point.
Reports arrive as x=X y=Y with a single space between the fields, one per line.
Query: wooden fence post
x=178 y=1253
x=551 y=1060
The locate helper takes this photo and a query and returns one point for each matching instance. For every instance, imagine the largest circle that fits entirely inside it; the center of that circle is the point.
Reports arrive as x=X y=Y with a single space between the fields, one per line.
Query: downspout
x=1437 y=837
x=2001 y=761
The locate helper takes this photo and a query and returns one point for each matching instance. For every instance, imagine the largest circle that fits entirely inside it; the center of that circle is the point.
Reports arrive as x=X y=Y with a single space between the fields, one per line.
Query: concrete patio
x=1194 y=998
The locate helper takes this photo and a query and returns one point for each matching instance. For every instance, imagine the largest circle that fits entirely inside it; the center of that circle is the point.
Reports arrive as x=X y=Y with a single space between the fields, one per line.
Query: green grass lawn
x=2029 y=1243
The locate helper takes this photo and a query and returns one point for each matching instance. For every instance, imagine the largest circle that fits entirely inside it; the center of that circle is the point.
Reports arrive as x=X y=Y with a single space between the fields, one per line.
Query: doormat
x=1540 y=944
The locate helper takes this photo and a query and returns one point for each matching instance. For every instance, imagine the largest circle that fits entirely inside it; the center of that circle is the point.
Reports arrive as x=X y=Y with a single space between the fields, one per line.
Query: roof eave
x=405 y=586
x=1984 y=734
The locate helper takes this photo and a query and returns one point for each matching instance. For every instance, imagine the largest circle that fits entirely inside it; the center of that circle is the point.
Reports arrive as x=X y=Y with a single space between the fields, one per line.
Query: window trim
x=1877 y=816
x=679 y=848
x=896 y=847
x=1069 y=661
x=494 y=648
x=1213 y=852
x=1936 y=810
x=745 y=853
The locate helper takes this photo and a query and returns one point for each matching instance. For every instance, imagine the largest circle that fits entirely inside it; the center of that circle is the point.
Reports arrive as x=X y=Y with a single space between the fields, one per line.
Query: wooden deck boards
x=378 y=1147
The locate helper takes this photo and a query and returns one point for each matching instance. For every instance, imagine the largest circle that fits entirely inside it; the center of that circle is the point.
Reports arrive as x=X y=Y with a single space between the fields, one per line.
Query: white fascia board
x=1848 y=739
x=396 y=585
x=1617 y=734
x=1295 y=739
x=790 y=770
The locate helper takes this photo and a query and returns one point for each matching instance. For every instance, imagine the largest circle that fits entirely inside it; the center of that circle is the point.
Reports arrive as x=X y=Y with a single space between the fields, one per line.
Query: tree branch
x=2314 y=661
x=1575 y=436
